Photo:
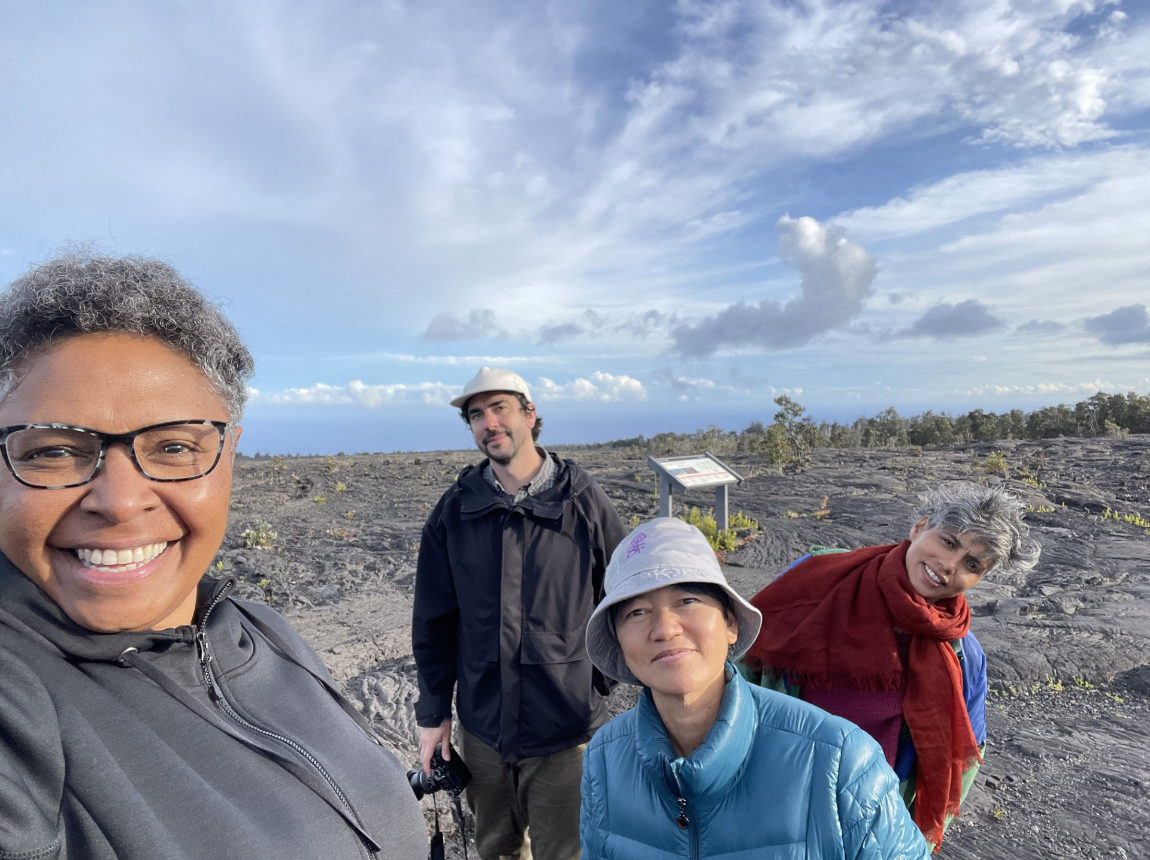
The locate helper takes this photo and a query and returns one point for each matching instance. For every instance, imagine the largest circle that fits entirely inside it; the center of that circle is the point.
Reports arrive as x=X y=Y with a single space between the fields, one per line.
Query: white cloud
x=1056 y=388
x=601 y=387
x=995 y=191
x=355 y=393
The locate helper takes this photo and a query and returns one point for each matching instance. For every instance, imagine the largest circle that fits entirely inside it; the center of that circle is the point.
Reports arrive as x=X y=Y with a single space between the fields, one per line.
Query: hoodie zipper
x=217 y=695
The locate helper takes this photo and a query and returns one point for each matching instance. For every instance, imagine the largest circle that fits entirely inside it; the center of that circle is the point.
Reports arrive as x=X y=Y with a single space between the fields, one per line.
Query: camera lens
x=420 y=783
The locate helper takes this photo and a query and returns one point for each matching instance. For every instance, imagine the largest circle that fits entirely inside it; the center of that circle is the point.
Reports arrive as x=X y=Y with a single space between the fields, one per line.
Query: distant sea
x=420 y=427
x=351 y=430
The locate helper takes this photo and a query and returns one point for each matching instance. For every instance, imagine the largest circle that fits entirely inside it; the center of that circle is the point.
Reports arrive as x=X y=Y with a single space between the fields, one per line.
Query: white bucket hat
x=492 y=379
x=664 y=551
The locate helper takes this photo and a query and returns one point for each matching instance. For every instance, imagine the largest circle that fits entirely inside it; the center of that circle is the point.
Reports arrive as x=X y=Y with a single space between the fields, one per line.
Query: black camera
x=451 y=775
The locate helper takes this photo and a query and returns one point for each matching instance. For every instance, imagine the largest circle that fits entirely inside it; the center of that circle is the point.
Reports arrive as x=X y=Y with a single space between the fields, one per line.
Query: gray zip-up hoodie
x=226 y=739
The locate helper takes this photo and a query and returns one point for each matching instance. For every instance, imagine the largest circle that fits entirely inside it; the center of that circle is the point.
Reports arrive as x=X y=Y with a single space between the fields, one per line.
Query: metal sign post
x=694 y=472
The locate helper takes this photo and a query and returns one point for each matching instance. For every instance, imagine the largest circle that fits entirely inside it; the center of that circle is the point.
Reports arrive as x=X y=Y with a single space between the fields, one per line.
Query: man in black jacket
x=510 y=568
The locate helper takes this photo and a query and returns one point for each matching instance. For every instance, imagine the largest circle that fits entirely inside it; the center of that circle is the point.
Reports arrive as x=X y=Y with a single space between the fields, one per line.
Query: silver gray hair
x=991 y=513
x=84 y=294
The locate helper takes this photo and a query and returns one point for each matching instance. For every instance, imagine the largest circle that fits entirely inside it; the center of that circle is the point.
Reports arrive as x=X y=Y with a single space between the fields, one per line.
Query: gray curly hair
x=991 y=513
x=85 y=294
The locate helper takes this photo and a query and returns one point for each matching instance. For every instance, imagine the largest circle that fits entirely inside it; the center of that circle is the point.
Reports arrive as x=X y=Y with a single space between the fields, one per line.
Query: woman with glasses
x=145 y=711
x=881 y=636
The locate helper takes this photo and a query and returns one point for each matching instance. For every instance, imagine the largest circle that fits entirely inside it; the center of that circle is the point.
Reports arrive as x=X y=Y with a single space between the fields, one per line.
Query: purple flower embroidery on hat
x=636 y=546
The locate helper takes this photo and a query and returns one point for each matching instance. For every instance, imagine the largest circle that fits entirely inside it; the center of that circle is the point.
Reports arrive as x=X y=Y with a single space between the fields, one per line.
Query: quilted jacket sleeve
x=875 y=823
x=591 y=829
x=31 y=765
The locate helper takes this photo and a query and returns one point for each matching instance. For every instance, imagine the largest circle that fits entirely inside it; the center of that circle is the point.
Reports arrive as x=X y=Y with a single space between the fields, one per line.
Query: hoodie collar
x=25 y=607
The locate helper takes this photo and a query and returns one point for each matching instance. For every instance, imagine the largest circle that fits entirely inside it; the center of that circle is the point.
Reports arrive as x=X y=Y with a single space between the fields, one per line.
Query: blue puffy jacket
x=775 y=778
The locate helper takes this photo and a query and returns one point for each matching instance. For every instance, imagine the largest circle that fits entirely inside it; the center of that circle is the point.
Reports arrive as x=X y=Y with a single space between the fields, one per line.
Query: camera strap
x=459 y=820
x=437 y=851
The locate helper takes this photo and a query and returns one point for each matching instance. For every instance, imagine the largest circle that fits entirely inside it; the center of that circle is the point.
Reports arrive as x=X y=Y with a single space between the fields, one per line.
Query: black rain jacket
x=503 y=592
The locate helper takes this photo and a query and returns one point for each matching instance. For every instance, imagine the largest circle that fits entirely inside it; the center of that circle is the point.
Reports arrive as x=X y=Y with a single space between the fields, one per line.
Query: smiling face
x=500 y=425
x=675 y=641
x=121 y=552
x=943 y=563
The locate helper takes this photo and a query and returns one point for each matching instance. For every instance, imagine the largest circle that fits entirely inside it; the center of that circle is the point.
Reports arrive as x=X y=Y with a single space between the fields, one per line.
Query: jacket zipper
x=217 y=696
x=682 y=820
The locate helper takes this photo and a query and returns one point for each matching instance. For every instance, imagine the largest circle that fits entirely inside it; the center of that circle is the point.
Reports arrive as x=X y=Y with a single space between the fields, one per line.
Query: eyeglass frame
x=128 y=440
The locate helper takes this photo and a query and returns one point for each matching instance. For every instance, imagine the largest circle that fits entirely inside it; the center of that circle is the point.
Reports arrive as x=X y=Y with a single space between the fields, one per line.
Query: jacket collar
x=26 y=608
x=477 y=497
x=708 y=773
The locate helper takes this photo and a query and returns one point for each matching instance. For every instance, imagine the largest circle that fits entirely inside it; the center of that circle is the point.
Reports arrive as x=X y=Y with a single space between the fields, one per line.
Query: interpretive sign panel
x=694 y=472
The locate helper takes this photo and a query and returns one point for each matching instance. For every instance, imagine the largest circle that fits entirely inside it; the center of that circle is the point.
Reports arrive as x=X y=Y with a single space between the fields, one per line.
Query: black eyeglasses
x=58 y=456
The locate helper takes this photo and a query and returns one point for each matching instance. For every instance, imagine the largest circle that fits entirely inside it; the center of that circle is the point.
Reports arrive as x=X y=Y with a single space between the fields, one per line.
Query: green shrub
x=996 y=464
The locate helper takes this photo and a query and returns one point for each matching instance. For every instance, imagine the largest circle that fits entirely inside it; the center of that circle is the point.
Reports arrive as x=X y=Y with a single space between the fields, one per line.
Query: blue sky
x=661 y=214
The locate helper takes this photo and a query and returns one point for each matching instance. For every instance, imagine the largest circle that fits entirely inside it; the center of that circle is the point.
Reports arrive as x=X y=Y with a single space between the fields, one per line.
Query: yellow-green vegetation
x=331 y=464
x=349 y=515
x=259 y=535
x=1053 y=685
x=265 y=585
x=1040 y=509
x=1134 y=519
x=319 y=500
x=818 y=513
x=995 y=464
x=721 y=540
x=340 y=486
x=741 y=522
x=1029 y=478
x=635 y=520
x=999 y=814
x=1031 y=473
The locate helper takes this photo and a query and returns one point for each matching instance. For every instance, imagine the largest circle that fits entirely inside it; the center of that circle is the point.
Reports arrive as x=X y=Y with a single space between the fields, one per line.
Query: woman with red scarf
x=881 y=636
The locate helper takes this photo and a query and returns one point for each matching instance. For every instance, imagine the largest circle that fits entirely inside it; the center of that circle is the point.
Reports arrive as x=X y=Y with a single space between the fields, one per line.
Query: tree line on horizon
x=792 y=435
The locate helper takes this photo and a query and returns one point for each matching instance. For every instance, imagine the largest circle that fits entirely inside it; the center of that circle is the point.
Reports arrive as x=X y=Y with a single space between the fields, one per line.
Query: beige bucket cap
x=663 y=551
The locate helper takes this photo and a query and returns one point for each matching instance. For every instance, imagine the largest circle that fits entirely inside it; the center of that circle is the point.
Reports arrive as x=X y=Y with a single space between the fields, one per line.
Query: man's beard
x=504 y=456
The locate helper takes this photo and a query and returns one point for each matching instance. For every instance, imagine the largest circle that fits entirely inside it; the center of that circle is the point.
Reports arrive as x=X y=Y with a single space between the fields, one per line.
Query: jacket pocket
x=542 y=648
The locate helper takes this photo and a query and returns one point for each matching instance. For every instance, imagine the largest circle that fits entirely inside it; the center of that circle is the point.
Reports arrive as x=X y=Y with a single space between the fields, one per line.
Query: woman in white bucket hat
x=705 y=764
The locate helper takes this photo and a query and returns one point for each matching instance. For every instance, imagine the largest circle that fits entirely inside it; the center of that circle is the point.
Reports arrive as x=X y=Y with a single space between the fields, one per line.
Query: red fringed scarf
x=831 y=621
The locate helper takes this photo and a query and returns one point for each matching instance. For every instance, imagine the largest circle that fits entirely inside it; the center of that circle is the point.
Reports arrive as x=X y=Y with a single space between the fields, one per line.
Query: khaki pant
x=524 y=811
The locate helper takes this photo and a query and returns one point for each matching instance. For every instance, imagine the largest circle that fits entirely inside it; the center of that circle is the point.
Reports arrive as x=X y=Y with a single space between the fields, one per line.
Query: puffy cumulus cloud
x=1040 y=327
x=1129 y=324
x=355 y=393
x=836 y=278
x=945 y=321
x=477 y=324
x=602 y=387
